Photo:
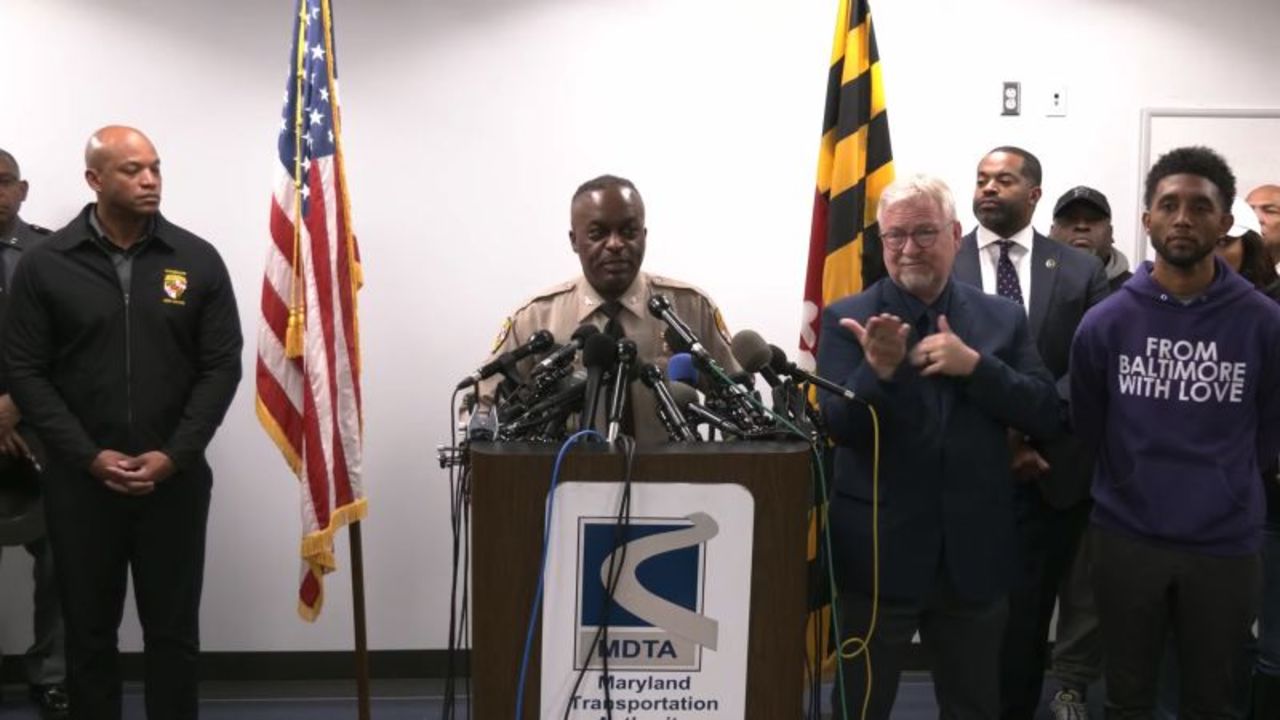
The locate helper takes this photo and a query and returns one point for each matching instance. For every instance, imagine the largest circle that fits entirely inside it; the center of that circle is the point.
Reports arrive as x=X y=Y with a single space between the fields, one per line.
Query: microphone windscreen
x=680 y=369
x=751 y=351
x=585 y=331
x=600 y=351
x=682 y=394
x=778 y=360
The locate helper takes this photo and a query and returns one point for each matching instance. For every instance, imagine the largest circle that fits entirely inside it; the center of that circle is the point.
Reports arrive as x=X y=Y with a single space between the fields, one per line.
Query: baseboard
x=286 y=666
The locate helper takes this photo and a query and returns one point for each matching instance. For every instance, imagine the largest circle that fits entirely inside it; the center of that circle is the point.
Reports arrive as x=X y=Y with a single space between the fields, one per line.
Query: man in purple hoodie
x=1176 y=379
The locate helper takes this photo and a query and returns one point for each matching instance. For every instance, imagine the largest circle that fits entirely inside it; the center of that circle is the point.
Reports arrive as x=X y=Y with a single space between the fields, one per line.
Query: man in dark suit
x=1055 y=284
x=923 y=538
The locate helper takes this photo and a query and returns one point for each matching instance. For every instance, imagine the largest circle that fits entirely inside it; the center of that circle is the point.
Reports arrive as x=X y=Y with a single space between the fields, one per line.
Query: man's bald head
x=122 y=167
x=109 y=140
x=1265 y=201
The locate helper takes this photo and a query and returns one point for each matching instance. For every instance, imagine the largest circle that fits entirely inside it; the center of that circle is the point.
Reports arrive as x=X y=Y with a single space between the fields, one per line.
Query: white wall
x=469 y=122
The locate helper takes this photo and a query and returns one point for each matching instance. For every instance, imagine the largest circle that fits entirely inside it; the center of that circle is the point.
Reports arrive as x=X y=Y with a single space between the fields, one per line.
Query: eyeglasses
x=923 y=237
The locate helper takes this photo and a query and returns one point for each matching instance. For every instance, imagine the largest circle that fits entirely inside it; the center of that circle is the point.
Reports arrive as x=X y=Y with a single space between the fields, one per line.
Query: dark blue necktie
x=1007 y=284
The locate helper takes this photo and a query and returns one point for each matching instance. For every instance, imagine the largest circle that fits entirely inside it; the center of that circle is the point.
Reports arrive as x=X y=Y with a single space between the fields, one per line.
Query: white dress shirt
x=1019 y=255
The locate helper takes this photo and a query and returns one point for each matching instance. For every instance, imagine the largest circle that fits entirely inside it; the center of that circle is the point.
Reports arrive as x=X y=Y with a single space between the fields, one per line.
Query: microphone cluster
x=696 y=399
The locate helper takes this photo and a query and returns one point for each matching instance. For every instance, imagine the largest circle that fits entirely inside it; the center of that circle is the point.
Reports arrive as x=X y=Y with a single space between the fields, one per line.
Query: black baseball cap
x=1084 y=194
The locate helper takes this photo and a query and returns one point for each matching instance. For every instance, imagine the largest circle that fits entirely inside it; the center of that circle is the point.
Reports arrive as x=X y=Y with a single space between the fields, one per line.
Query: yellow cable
x=862 y=646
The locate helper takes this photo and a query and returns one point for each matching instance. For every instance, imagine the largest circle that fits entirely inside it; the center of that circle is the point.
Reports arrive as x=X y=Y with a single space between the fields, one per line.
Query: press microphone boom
x=686 y=398
x=564 y=354
x=626 y=353
x=783 y=366
x=668 y=410
x=540 y=341
x=660 y=307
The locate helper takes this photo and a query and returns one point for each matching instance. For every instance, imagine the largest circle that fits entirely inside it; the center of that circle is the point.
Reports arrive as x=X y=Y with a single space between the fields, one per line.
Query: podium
x=509 y=491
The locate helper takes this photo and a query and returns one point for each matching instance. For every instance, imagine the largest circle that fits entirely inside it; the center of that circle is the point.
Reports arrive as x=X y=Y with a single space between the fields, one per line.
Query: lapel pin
x=1051 y=263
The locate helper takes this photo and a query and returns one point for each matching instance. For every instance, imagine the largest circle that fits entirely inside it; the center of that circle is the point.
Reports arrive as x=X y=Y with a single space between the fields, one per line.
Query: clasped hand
x=129 y=475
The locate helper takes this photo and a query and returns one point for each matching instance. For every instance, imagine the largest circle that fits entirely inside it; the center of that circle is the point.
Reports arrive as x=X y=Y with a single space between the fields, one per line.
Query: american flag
x=308 y=375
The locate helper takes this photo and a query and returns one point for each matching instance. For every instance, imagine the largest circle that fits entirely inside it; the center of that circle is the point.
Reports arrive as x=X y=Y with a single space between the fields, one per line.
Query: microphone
x=783 y=366
x=680 y=368
x=549 y=413
x=626 y=352
x=754 y=355
x=668 y=410
x=598 y=354
x=564 y=354
x=540 y=341
x=660 y=307
x=686 y=397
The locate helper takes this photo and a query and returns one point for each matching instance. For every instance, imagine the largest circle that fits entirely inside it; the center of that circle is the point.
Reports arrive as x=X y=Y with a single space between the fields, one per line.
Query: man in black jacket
x=123 y=349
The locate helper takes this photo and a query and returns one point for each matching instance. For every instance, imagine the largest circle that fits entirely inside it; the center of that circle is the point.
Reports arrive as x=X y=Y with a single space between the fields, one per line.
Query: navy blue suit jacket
x=1065 y=283
x=945 y=489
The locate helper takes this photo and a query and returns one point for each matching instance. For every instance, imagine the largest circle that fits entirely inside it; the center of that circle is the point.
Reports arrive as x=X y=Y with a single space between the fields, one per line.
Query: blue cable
x=542 y=569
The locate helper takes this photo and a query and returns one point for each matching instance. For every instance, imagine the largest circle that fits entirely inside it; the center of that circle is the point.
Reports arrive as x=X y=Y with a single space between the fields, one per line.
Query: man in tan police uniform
x=608 y=234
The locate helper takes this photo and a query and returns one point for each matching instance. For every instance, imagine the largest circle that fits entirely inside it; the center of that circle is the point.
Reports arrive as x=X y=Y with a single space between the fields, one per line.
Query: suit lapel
x=967 y=270
x=1046 y=255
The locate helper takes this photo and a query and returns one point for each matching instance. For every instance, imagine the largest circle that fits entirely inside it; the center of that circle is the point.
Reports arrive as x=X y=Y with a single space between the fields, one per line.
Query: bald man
x=123 y=349
x=1265 y=201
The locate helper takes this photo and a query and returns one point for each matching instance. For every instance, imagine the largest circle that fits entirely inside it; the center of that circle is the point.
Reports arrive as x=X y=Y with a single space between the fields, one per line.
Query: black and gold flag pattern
x=855 y=163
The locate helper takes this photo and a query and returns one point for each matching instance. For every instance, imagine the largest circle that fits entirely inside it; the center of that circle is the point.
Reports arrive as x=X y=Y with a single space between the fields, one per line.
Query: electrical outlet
x=1011 y=99
x=1057 y=102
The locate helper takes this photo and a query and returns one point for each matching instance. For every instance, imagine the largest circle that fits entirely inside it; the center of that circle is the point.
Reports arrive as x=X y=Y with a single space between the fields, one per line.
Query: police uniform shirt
x=25 y=236
x=561 y=309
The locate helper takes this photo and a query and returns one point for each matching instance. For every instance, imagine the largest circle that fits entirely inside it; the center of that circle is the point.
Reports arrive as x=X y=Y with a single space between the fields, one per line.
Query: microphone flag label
x=661 y=599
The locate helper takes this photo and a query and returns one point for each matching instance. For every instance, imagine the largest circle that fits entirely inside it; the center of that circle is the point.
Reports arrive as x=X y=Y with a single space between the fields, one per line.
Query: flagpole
x=353 y=529
x=357 y=606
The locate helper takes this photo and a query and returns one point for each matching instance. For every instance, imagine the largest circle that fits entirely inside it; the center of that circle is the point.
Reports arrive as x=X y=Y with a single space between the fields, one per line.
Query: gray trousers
x=46 y=660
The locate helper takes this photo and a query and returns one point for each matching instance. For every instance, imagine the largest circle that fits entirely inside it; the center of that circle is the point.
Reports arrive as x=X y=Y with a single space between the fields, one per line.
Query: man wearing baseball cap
x=1082 y=219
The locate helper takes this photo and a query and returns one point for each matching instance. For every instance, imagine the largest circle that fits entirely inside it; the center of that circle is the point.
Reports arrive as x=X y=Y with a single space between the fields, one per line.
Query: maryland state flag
x=855 y=164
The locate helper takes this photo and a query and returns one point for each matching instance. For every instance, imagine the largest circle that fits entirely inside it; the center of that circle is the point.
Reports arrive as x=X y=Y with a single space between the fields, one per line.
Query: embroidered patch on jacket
x=502 y=336
x=724 y=329
x=175 y=287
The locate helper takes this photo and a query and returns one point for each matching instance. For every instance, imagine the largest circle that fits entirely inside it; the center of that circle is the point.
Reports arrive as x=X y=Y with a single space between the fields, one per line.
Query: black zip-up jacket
x=94 y=366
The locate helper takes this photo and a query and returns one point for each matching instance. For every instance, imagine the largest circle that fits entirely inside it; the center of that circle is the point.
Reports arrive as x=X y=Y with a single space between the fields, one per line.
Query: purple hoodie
x=1181 y=402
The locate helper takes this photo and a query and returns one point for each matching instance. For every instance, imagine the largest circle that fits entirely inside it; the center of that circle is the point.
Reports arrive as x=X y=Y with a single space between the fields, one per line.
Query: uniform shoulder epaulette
x=509 y=322
x=666 y=282
x=558 y=289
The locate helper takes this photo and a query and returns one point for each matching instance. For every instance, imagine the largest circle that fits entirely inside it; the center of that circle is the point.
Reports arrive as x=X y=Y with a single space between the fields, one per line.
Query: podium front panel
x=509 y=492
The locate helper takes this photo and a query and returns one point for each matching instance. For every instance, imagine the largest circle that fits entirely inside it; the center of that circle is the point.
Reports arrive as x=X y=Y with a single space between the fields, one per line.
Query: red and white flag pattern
x=308 y=371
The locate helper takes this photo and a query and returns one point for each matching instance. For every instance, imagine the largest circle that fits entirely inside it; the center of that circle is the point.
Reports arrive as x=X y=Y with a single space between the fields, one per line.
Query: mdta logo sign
x=655 y=621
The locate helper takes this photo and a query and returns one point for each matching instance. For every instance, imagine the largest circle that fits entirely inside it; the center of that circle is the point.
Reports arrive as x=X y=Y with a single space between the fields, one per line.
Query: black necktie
x=613 y=328
x=1007 y=284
